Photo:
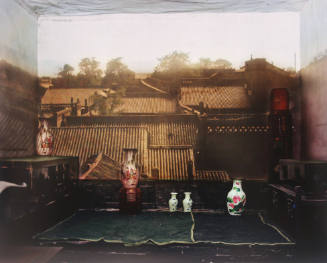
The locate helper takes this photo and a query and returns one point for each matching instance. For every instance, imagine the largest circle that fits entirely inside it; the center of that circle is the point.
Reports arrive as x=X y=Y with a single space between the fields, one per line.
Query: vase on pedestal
x=236 y=199
x=173 y=202
x=130 y=172
x=187 y=202
x=130 y=197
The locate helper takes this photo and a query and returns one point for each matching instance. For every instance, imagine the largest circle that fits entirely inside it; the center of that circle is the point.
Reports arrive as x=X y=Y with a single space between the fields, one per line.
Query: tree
x=205 y=63
x=105 y=102
x=206 y=66
x=65 y=79
x=66 y=71
x=90 y=73
x=174 y=62
x=117 y=72
x=222 y=64
x=171 y=69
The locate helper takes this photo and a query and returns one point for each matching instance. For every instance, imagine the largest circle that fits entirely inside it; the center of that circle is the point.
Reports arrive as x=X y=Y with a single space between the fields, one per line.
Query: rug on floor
x=158 y=227
x=248 y=229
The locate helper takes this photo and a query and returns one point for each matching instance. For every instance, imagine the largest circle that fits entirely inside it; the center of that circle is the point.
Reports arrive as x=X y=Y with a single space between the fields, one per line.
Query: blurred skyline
x=141 y=39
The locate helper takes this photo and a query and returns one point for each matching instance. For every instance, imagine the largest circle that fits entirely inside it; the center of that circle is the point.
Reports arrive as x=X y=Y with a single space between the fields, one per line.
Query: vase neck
x=173 y=195
x=237 y=184
x=187 y=194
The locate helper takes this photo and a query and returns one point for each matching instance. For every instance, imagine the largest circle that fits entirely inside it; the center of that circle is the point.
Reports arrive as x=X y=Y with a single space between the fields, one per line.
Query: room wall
x=18 y=41
x=18 y=80
x=314 y=79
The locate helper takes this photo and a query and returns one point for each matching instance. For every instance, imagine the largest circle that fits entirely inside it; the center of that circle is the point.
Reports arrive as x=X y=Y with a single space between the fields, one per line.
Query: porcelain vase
x=236 y=199
x=173 y=202
x=44 y=139
x=130 y=174
x=187 y=202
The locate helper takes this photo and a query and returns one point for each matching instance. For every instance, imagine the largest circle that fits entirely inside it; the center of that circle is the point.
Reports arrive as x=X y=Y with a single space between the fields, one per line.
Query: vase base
x=130 y=207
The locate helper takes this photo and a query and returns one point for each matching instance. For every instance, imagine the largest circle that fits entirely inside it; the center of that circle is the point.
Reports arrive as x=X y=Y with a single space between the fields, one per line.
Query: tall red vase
x=130 y=194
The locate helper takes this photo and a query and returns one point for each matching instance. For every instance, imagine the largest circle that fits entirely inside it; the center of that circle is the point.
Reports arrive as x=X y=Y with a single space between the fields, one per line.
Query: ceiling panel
x=95 y=7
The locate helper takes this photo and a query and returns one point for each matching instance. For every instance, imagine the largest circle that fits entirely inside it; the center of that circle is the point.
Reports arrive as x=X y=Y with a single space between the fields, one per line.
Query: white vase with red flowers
x=236 y=199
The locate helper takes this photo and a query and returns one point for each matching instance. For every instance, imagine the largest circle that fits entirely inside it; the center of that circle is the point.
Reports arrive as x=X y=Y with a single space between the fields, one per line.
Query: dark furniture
x=298 y=202
x=49 y=180
x=130 y=200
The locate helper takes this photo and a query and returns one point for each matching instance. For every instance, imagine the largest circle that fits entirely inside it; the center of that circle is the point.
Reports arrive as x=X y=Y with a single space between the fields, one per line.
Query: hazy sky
x=143 y=38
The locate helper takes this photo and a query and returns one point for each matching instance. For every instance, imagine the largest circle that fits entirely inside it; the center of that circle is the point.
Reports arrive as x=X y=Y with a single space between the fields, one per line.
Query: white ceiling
x=95 y=7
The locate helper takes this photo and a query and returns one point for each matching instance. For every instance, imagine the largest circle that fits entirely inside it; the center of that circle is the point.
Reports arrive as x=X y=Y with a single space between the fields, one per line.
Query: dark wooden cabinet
x=298 y=200
x=49 y=180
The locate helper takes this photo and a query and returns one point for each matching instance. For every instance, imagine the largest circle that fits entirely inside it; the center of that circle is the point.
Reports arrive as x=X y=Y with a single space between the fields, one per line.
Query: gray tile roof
x=216 y=97
x=87 y=141
x=161 y=132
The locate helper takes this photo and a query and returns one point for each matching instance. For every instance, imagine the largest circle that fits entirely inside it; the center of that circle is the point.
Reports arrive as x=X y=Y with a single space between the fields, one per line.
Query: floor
x=27 y=254
x=27 y=251
x=85 y=253
x=172 y=253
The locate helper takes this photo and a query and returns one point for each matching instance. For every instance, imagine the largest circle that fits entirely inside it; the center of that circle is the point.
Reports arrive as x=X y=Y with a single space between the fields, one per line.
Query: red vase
x=130 y=194
x=44 y=139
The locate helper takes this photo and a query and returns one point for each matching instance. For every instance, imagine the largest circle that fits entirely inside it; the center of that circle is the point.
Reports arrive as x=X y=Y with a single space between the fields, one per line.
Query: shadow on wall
x=241 y=156
x=314 y=109
x=20 y=96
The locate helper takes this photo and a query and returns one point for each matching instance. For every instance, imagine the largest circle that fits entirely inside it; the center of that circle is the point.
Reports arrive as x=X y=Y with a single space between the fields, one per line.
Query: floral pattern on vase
x=44 y=139
x=173 y=202
x=236 y=199
x=130 y=174
x=187 y=202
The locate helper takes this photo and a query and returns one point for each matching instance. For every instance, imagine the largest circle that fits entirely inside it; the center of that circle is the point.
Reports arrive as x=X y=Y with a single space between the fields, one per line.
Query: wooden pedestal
x=130 y=200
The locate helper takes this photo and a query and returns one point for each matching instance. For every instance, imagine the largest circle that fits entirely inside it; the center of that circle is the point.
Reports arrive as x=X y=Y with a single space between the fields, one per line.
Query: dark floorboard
x=174 y=253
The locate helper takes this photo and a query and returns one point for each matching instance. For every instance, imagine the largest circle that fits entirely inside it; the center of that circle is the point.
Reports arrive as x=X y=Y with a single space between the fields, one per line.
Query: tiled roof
x=165 y=162
x=88 y=141
x=212 y=175
x=128 y=104
x=215 y=97
x=19 y=95
x=106 y=169
x=170 y=162
x=171 y=165
x=63 y=96
x=161 y=132
x=146 y=105
x=16 y=135
x=172 y=133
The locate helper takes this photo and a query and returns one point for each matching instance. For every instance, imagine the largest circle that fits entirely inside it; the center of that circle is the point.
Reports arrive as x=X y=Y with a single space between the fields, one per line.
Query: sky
x=141 y=39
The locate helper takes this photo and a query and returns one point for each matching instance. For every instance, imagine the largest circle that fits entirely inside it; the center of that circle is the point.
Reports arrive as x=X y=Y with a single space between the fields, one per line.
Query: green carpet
x=159 y=227
x=248 y=229
x=165 y=228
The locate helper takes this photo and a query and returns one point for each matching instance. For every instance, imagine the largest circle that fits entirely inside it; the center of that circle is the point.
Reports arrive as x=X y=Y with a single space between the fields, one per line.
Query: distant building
x=45 y=82
x=213 y=128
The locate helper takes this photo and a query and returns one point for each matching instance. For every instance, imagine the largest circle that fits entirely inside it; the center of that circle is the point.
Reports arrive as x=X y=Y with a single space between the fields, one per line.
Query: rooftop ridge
x=186 y=146
x=100 y=126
